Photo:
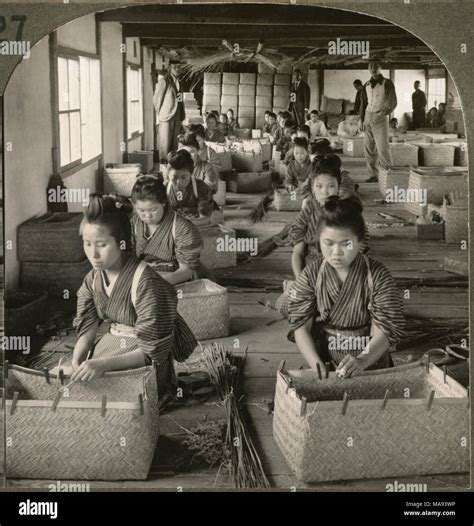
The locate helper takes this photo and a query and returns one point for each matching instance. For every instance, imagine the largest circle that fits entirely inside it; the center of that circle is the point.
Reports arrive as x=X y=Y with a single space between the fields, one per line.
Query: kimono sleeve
x=86 y=311
x=302 y=303
x=291 y=178
x=299 y=226
x=213 y=158
x=387 y=309
x=210 y=176
x=156 y=312
x=188 y=243
x=205 y=200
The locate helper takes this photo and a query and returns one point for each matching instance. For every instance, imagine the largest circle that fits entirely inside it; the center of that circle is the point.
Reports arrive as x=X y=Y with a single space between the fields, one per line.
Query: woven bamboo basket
x=266 y=151
x=437 y=182
x=211 y=257
x=120 y=178
x=54 y=278
x=249 y=182
x=204 y=305
x=24 y=309
x=393 y=177
x=144 y=158
x=283 y=200
x=399 y=436
x=243 y=133
x=404 y=154
x=83 y=438
x=436 y=155
x=353 y=147
x=460 y=153
x=219 y=196
x=51 y=237
x=455 y=214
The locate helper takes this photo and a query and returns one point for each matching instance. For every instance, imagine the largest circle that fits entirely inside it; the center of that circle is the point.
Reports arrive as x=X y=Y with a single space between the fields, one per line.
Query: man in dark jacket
x=418 y=99
x=358 y=98
x=299 y=98
x=378 y=101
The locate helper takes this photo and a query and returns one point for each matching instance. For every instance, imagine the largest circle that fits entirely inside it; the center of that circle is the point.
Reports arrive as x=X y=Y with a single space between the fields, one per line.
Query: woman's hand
x=350 y=366
x=88 y=369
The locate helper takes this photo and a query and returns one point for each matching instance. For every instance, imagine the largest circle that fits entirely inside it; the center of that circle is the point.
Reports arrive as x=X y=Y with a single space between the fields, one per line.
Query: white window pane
x=75 y=135
x=63 y=84
x=65 y=157
x=73 y=67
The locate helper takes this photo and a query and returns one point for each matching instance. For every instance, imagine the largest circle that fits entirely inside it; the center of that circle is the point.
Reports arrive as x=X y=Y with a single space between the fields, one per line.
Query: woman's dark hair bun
x=343 y=213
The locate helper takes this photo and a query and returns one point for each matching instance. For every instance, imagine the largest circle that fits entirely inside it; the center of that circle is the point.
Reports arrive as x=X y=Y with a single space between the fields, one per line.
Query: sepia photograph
x=235 y=255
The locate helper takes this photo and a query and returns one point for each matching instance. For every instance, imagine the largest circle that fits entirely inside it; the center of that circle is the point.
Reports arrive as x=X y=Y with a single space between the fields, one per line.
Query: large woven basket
x=283 y=200
x=460 y=152
x=51 y=237
x=394 y=178
x=247 y=161
x=437 y=182
x=223 y=155
x=211 y=255
x=54 y=278
x=455 y=214
x=24 y=309
x=120 y=178
x=142 y=157
x=324 y=439
x=404 y=154
x=249 y=182
x=204 y=305
x=436 y=154
x=84 y=437
x=353 y=147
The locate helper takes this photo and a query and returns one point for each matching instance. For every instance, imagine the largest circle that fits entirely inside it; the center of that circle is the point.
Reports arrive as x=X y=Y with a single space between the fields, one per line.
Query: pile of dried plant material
x=224 y=370
x=207 y=439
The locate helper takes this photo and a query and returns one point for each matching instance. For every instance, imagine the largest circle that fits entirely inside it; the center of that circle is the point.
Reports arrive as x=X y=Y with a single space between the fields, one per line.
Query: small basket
x=353 y=147
x=404 y=154
x=437 y=182
x=249 y=182
x=391 y=435
x=247 y=161
x=204 y=305
x=54 y=278
x=211 y=257
x=283 y=200
x=393 y=178
x=83 y=438
x=455 y=214
x=24 y=310
x=51 y=237
x=144 y=158
x=120 y=178
x=436 y=154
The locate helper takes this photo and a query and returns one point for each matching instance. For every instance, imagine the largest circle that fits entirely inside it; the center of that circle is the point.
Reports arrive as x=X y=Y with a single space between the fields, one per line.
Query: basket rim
x=109 y=374
x=218 y=289
x=78 y=404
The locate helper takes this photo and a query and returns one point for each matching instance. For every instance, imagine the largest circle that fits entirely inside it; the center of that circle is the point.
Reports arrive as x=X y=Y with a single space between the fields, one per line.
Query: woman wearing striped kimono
x=299 y=168
x=324 y=181
x=186 y=194
x=139 y=304
x=168 y=242
x=344 y=307
x=206 y=153
x=203 y=170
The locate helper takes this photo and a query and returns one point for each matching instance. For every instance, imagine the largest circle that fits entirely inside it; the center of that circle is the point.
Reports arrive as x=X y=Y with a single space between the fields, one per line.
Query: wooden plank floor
x=260 y=329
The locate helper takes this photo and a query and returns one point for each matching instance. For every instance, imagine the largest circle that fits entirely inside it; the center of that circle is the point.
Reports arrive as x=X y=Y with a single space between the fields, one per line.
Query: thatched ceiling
x=298 y=32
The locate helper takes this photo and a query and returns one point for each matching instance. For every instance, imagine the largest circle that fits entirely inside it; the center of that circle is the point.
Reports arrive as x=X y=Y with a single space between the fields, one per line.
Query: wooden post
x=104 y=403
x=14 y=402
x=430 y=399
x=385 y=398
x=345 y=403
x=303 y=406
x=46 y=375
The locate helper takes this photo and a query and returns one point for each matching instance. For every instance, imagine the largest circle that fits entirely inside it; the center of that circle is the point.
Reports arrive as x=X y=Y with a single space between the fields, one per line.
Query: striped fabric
x=163 y=251
x=298 y=173
x=305 y=228
x=189 y=203
x=208 y=154
x=204 y=171
x=352 y=305
x=154 y=317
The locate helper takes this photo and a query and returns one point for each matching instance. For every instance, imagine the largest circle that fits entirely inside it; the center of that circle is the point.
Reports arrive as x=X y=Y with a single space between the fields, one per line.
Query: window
x=80 y=124
x=134 y=101
x=436 y=91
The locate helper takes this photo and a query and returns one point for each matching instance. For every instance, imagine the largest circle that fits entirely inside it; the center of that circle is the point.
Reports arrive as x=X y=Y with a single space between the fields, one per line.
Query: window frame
x=135 y=67
x=56 y=52
x=436 y=76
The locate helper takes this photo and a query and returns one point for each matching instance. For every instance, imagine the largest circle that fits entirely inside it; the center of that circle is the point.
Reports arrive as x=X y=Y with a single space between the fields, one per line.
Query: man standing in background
x=170 y=110
x=299 y=98
x=418 y=99
x=378 y=101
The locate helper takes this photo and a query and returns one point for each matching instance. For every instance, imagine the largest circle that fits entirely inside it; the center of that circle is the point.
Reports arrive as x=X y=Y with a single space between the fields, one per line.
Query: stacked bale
x=212 y=92
x=230 y=92
x=246 y=111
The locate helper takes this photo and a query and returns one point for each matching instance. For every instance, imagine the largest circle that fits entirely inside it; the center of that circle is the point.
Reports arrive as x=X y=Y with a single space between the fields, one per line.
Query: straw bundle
x=224 y=370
